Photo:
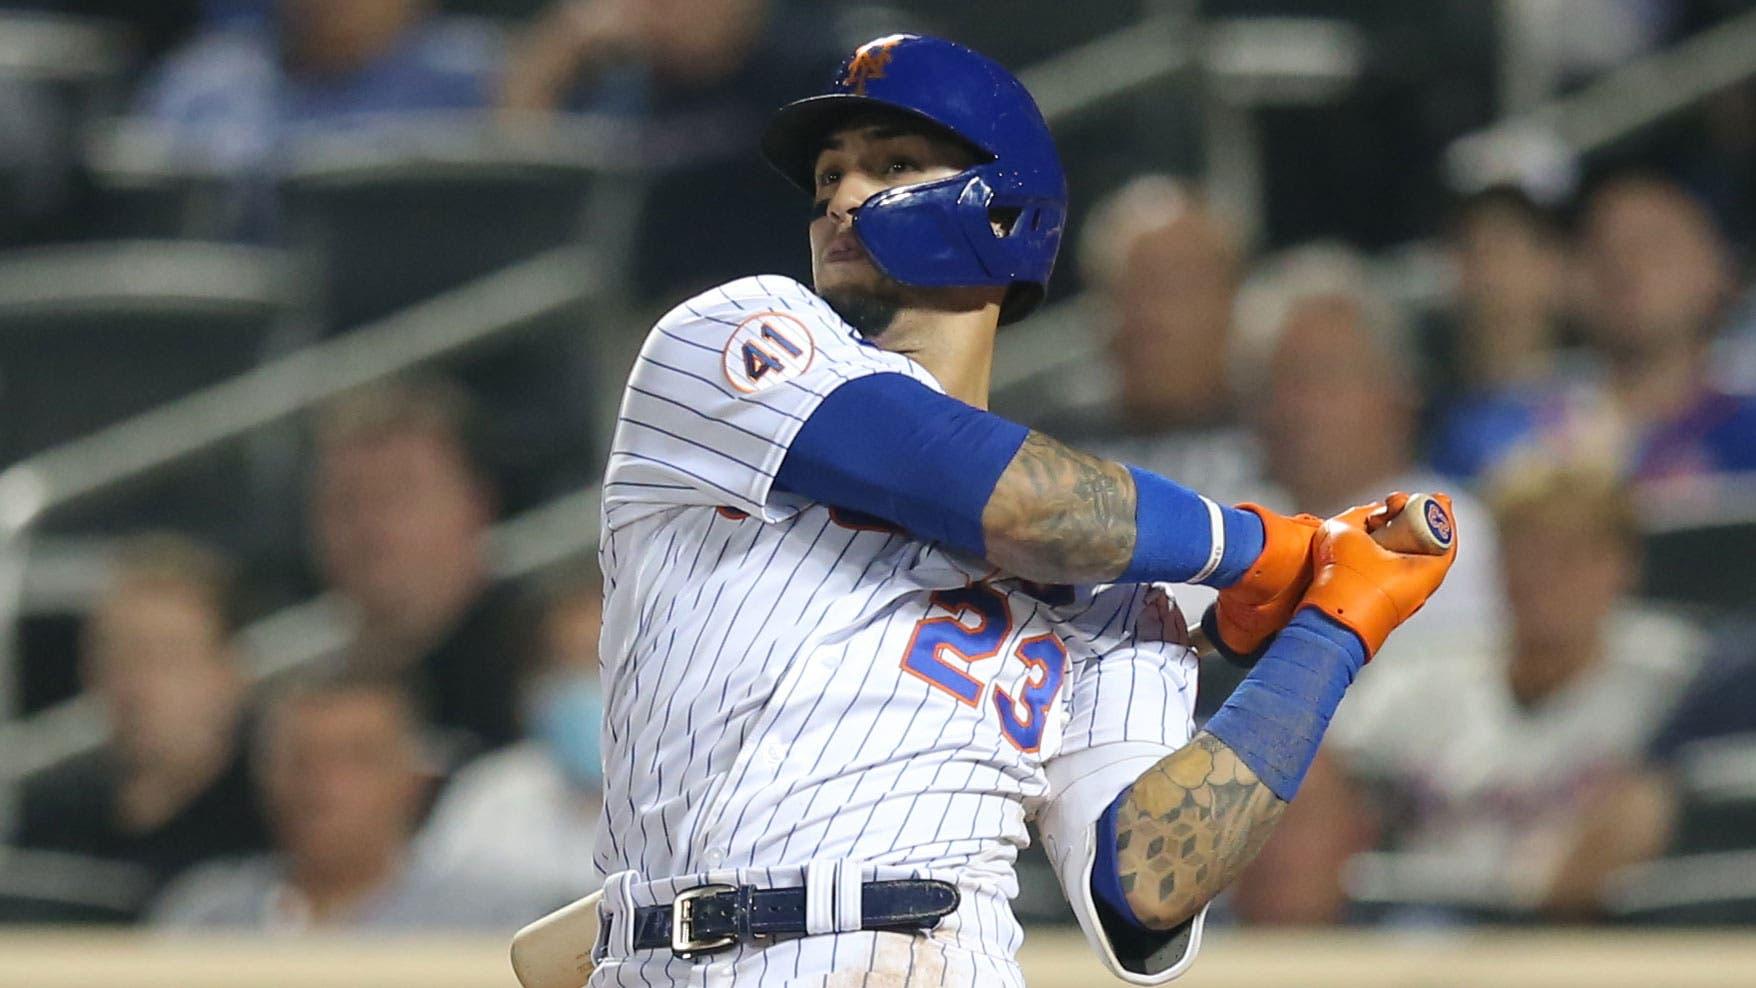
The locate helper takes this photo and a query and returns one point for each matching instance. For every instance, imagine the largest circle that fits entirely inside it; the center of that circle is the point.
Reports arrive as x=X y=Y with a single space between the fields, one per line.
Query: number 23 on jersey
x=974 y=627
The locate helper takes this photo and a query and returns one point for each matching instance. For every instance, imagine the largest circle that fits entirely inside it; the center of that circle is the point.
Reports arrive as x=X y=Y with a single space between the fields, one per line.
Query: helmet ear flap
x=952 y=232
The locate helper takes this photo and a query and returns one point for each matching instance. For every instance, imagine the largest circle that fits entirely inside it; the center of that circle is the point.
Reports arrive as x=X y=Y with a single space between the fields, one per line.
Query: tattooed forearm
x=1189 y=825
x=1060 y=516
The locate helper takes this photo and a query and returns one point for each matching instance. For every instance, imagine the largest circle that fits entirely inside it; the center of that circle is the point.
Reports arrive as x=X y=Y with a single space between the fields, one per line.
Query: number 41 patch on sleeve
x=766 y=349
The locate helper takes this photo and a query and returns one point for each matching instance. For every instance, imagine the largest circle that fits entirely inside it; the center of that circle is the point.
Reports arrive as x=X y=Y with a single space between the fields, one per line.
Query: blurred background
x=314 y=316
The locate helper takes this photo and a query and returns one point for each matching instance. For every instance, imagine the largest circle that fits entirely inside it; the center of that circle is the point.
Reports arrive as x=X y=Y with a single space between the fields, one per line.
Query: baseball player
x=858 y=630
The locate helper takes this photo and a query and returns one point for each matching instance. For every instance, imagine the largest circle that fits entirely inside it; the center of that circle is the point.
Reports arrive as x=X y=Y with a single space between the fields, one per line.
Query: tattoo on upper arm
x=1061 y=516
x=1188 y=826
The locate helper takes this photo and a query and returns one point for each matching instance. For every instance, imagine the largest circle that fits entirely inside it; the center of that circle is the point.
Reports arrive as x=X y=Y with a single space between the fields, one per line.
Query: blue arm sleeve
x=892 y=447
x=1274 y=721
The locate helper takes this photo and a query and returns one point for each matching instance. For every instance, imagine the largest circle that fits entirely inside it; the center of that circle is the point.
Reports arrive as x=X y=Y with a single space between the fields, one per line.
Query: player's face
x=856 y=163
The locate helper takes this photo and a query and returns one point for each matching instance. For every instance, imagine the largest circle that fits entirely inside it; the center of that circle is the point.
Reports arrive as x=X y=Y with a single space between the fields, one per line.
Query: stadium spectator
x=1657 y=285
x=399 y=512
x=1322 y=361
x=169 y=787
x=698 y=97
x=235 y=96
x=529 y=813
x=1473 y=765
x=343 y=782
x=1691 y=793
x=1166 y=269
x=622 y=49
x=1506 y=373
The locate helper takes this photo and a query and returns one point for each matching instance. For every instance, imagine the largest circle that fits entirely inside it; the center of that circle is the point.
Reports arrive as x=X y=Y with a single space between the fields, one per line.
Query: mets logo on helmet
x=869 y=62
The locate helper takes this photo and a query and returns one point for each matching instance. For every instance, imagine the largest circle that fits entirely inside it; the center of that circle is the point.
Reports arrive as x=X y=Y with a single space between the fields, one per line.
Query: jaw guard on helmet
x=996 y=223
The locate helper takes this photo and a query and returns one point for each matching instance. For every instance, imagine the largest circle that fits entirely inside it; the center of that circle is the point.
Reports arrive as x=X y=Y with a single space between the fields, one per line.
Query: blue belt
x=711 y=918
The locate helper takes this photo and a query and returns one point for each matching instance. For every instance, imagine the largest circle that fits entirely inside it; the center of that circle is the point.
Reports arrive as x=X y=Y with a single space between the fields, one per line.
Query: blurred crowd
x=1564 y=730
x=440 y=771
x=1535 y=738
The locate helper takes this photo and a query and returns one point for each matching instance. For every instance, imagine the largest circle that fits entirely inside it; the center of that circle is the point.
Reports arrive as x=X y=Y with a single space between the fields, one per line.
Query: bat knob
x=1435 y=519
x=1424 y=526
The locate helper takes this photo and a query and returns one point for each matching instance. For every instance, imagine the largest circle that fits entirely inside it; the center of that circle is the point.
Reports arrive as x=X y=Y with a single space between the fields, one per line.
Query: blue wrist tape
x=889 y=446
x=1182 y=537
x=1275 y=719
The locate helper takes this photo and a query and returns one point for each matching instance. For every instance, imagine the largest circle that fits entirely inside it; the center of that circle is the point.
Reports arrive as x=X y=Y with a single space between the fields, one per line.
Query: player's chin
x=869 y=309
x=853 y=274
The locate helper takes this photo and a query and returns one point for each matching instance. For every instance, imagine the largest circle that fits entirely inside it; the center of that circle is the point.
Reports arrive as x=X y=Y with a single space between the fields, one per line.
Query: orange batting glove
x=1365 y=586
x=1249 y=612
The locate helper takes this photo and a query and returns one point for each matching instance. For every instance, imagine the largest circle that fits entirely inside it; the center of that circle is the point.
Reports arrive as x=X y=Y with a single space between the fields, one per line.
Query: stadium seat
x=379 y=230
x=94 y=333
x=384 y=227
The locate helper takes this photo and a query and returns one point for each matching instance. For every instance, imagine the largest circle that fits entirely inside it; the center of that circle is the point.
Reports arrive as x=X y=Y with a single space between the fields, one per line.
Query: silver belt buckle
x=683 y=942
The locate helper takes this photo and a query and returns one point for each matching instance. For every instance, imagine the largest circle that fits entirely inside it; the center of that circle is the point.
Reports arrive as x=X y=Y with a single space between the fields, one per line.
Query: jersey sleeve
x=1131 y=703
x=722 y=385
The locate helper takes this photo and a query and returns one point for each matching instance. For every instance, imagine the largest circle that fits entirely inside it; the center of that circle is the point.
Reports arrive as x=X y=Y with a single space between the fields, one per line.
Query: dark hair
x=328 y=680
x=902 y=121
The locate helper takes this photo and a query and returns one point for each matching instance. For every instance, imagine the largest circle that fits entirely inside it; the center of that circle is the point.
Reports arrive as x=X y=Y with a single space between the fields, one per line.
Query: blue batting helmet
x=996 y=223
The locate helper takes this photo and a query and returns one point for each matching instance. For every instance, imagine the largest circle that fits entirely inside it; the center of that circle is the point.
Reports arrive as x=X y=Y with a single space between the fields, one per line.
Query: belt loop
x=608 y=920
x=821 y=896
x=620 y=937
x=744 y=910
x=849 y=883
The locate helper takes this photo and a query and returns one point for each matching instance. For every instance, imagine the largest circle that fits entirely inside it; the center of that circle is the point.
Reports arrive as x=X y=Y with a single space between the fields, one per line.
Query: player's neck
x=956 y=347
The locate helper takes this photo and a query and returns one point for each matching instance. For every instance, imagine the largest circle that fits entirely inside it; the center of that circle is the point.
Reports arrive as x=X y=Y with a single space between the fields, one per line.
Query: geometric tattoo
x=1189 y=825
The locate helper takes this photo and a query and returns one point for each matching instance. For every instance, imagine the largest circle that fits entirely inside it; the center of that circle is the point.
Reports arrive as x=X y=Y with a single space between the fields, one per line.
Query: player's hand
x=1365 y=586
x=1250 y=611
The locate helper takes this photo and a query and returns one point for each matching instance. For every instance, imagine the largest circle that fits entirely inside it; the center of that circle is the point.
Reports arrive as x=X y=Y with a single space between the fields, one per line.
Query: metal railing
x=491 y=308
x=1614 y=106
x=60 y=48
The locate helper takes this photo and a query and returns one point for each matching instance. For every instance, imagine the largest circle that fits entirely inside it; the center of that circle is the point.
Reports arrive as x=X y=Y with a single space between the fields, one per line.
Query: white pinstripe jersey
x=788 y=682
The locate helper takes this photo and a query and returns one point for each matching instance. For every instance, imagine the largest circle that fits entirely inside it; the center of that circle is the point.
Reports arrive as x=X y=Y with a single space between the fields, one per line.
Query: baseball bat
x=1423 y=527
x=555 y=951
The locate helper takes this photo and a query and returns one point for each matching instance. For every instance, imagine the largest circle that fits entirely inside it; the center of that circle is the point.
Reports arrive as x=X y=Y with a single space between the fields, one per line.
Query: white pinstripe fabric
x=759 y=715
